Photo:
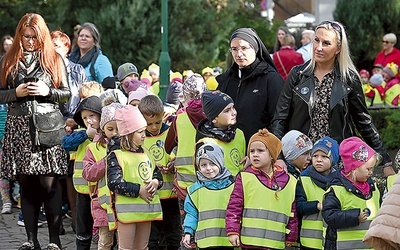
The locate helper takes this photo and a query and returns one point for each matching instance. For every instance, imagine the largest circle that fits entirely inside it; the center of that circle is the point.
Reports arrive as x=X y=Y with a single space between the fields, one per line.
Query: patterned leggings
x=5 y=191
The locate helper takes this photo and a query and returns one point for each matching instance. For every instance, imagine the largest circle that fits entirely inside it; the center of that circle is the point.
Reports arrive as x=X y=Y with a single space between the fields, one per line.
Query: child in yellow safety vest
x=261 y=212
x=310 y=190
x=152 y=109
x=352 y=201
x=207 y=199
x=94 y=170
x=133 y=179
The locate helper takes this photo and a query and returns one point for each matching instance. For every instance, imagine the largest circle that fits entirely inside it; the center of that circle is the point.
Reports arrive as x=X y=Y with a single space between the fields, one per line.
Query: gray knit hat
x=108 y=113
x=294 y=144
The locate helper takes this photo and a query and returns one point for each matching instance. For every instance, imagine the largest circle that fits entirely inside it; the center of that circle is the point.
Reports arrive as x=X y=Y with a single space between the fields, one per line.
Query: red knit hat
x=364 y=72
x=354 y=153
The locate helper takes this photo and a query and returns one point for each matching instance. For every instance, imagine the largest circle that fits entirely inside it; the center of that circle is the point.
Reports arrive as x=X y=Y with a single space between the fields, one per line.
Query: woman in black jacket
x=252 y=81
x=31 y=72
x=324 y=96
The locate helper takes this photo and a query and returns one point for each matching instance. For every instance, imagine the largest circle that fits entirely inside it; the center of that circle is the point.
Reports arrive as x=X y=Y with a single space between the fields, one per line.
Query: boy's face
x=154 y=124
x=226 y=118
x=260 y=156
x=155 y=76
x=364 y=79
x=110 y=129
x=208 y=168
x=321 y=162
x=377 y=71
x=302 y=161
x=91 y=119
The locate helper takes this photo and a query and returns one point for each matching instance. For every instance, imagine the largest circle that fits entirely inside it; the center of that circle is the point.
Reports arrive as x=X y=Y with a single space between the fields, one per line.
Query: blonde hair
x=288 y=40
x=343 y=58
x=90 y=88
x=390 y=37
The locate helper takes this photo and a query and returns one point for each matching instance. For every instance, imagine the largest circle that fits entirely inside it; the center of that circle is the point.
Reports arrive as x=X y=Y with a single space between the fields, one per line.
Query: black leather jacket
x=17 y=105
x=348 y=111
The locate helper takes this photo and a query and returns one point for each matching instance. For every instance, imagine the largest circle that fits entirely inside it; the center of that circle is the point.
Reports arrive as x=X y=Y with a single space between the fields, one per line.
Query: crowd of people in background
x=277 y=152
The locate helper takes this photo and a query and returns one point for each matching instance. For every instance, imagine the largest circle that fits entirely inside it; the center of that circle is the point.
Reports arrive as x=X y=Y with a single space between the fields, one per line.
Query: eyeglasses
x=334 y=25
x=27 y=37
x=385 y=41
x=235 y=50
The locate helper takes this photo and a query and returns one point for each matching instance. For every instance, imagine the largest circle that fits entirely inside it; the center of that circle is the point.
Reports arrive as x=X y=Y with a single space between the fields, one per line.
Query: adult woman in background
x=324 y=97
x=33 y=71
x=5 y=44
x=89 y=55
x=282 y=32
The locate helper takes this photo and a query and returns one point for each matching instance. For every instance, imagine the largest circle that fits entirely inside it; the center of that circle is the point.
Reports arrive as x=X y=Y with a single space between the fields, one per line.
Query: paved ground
x=12 y=235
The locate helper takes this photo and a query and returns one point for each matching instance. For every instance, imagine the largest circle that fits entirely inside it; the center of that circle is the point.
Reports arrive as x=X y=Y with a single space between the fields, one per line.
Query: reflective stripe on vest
x=136 y=168
x=390 y=181
x=80 y=184
x=211 y=205
x=112 y=224
x=185 y=172
x=234 y=151
x=264 y=223
x=352 y=238
x=156 y=147
x=392 y=93
x=311 y=233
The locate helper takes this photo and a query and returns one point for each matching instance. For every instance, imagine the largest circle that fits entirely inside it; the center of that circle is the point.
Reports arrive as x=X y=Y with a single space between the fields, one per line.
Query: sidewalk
x=12 y=236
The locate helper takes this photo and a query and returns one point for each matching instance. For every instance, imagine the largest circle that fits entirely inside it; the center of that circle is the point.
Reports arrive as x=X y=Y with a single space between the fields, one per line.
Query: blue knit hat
x=329 y=146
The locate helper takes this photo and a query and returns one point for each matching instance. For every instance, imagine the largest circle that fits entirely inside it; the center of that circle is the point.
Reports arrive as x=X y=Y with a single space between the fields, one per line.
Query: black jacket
x=334 y=216
x=255 y=94
x=348 y=110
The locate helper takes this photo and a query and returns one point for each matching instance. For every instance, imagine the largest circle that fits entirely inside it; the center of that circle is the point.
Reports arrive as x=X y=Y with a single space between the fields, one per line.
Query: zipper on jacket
x=238 y=90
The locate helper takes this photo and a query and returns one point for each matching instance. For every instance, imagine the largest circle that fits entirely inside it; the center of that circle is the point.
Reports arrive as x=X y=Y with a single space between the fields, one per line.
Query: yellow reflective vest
x=311 y=233
x=265 y=217
x=352 y=237
x=185 y=172
x=234 y=151
x=392 y=93
x=156 y=147
x=211 y=206
x=390 y=181
x=136 y=168
x=81 y=185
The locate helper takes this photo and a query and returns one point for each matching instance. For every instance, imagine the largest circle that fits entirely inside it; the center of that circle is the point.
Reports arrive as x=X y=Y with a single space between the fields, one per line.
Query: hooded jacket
x=348 y=110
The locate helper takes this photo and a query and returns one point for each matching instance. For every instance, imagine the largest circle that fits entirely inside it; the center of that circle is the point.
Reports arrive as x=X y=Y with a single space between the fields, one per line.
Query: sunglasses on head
x=334 y=25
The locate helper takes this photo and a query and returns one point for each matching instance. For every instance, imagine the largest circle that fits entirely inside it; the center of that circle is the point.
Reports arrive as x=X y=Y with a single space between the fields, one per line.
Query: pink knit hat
x=137 y=94
x=129 y=119
x=354 y=153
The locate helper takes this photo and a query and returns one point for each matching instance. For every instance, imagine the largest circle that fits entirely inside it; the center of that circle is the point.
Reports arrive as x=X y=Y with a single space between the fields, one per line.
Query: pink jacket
x=384 y=233
x=94 y=171
x=235 y=205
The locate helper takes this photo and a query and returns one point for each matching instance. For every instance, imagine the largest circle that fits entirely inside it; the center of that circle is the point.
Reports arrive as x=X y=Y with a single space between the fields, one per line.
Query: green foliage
x=390 y=133
x=366 y=21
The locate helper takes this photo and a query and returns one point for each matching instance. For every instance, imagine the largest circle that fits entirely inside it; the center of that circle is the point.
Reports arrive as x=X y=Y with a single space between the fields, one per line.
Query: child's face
x=321 y=162
x=139 y=136
x=134 y=102
x=226 y=118
x=154 y=124
x=155 y=76
x=386 y=76
x=91 y=119
x=364 y=79
x=208 y=168
x=302 y=161
x=365 y=171
x=110 y=129
x=130 y=77
x=377 y=71
x=260 y=156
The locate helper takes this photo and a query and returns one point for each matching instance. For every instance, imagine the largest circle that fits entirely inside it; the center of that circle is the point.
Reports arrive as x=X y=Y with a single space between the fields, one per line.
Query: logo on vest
x=145 y=170
x=157 y=150
x=235 y=156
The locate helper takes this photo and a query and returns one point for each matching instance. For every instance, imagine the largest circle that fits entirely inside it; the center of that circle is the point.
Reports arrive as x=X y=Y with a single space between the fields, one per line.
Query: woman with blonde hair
x=33 y=74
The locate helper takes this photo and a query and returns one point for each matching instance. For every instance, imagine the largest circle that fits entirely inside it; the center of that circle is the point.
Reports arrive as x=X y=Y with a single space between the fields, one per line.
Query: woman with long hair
x=5 y=44
x=32 y=72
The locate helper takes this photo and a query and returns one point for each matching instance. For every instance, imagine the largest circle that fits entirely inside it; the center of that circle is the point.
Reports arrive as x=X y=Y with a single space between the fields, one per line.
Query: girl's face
x=226 y=118
x=155 y=76
x=85 y=40
x=321 y=162
x=91 y=119
x=208 y=168
x=260 y=156
x=7 y=44
x=364 y=79
x=363 y=172
x=139 y=136
x=60 y=47
x=325 y=46
x=302 y=161
x=281 y=35
x=29 y=40
x=110 y=129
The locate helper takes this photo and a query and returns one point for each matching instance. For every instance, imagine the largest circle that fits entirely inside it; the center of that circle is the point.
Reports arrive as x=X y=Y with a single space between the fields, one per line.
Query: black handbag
x=49 y=124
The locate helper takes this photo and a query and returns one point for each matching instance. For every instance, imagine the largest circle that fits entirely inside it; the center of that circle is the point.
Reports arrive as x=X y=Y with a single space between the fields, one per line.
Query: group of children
x=195 y=184
x=382 y=89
